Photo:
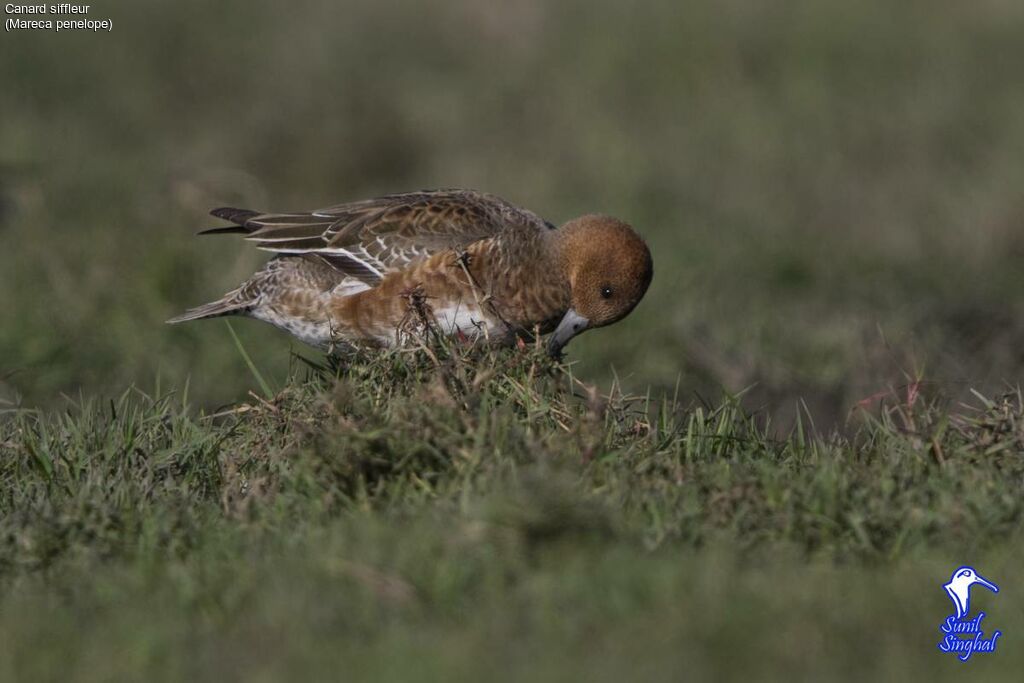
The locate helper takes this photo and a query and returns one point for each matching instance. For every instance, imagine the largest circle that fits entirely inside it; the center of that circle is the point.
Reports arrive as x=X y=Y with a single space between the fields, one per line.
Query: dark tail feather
x=239 y=229
x=237 y=216
x=214 y=309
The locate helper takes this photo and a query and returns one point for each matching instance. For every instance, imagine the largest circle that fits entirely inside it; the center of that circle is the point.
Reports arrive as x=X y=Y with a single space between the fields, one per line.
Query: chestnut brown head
x=608 y=267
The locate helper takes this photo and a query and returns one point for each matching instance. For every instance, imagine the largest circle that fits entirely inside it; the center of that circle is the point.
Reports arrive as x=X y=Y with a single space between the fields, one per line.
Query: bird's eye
x=606 y=292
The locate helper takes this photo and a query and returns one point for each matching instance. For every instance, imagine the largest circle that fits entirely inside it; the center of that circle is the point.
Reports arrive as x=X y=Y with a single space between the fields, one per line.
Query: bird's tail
x=215 y=309
x=240 y=218
x=239 y=301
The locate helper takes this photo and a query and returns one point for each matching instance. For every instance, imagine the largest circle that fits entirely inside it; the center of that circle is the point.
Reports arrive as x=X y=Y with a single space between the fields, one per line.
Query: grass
x=257 y=375
x=449 y=513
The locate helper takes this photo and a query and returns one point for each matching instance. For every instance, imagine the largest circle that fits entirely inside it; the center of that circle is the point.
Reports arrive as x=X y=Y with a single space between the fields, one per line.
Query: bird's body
x=367 y=272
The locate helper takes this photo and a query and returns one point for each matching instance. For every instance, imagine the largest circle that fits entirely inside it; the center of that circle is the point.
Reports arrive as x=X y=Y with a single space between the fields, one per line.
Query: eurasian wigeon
x=478 y=265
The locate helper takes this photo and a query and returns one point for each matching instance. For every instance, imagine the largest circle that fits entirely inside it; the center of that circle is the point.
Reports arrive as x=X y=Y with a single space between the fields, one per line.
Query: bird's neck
x=568 y=243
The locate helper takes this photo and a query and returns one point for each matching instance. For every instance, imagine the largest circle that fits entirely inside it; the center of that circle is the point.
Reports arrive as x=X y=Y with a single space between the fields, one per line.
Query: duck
x=467 y=264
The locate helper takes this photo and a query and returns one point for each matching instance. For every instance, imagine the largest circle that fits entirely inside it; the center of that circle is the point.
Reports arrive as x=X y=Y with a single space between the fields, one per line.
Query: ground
x=452 y=514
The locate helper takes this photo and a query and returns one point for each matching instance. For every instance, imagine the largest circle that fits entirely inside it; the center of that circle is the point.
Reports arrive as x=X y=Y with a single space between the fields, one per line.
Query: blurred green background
x=832 y=190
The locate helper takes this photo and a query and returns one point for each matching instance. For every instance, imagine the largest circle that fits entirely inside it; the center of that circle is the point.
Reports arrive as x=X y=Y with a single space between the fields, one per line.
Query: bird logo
x=959 y=588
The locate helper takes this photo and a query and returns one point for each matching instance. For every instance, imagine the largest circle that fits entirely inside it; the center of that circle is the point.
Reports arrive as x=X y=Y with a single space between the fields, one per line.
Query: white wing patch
x=362 y=257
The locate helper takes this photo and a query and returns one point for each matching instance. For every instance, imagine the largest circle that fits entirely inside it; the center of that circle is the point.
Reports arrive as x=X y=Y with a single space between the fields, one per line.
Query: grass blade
x=248 y=361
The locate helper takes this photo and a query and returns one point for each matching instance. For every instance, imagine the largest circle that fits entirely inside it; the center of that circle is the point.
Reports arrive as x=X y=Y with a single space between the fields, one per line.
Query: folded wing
x=367 y=239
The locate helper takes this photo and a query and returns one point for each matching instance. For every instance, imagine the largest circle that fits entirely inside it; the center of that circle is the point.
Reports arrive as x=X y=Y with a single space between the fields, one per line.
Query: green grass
x=450 y=514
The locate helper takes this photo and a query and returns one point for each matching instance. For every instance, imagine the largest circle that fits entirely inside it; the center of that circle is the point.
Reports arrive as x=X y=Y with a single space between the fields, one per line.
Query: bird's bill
x=572 y=324
x=986 y=583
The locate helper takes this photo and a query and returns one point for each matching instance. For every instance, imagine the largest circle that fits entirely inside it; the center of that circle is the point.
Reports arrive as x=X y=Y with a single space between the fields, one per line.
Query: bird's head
x=608 y=267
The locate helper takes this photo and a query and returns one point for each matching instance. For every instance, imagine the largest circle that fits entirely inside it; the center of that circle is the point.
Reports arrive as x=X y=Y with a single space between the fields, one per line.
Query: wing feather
x=366 y=239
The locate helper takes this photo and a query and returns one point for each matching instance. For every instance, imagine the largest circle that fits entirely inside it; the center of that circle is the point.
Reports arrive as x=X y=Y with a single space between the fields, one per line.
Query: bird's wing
x=367 y=239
